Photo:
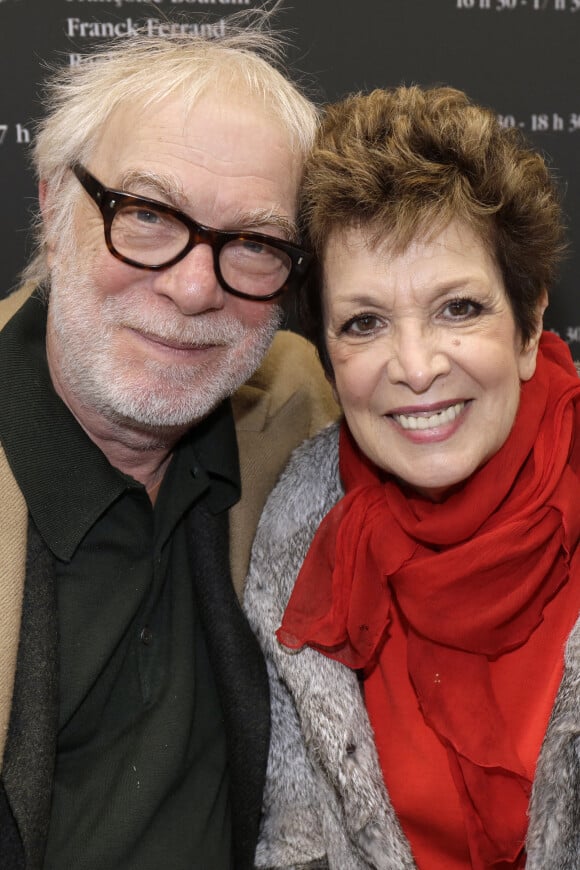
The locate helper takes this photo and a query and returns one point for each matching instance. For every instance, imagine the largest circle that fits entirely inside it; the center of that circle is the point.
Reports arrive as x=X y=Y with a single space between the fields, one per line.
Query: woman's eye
x=462 y=309
x=363 y=324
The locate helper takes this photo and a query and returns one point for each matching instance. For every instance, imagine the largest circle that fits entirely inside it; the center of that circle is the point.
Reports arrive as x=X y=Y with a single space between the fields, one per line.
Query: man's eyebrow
x=262 y=218
x=169 y=191
x=164 y=187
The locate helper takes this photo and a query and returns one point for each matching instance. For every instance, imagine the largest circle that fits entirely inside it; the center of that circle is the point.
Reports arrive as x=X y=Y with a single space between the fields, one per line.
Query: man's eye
x=254 y=247
x=145 y=216
x=462 y=309
x=362 y=324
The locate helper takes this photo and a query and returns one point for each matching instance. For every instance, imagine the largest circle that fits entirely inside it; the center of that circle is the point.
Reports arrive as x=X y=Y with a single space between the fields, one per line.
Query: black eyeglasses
x=151 y=235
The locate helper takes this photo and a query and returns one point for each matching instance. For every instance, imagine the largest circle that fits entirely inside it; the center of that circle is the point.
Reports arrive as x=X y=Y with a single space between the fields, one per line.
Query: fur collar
x=325 y=804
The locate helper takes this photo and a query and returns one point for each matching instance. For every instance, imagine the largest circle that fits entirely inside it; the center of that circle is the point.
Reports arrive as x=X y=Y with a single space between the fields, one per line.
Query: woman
x=415 y=581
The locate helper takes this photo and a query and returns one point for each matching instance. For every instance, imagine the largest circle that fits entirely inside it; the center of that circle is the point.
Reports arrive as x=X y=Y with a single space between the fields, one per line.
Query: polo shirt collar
x=54 y=461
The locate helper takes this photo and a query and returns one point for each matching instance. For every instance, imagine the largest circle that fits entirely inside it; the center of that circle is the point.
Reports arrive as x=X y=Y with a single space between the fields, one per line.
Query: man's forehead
x=166 y=150
x=131 y=120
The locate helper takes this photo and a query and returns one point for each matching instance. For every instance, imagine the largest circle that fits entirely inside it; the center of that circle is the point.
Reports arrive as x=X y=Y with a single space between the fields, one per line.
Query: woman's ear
x=334 y=393
x=529 y=352
x=329 y=375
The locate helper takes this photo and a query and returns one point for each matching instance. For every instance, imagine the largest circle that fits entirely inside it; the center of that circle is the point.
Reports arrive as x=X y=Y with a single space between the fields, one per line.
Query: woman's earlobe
x=543 y=303
x=529 y=352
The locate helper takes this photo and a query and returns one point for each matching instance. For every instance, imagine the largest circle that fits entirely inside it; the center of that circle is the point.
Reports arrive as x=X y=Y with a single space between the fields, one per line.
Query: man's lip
x=172 y=343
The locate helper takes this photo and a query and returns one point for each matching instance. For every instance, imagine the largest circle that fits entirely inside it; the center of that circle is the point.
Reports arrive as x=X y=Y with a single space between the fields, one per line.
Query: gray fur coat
x=325 y=804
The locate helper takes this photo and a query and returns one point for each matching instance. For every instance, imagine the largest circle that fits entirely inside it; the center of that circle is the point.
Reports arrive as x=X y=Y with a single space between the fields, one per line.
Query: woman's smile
x=423 y=341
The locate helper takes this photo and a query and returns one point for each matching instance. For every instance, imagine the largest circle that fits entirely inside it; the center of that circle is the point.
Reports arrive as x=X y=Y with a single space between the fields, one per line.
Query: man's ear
x=529 y=352
x=45 y=209
x=43 y=196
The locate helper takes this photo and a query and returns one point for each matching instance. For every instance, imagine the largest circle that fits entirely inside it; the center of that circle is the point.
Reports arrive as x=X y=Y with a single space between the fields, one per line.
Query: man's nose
x=417 y=357
x=192 y=283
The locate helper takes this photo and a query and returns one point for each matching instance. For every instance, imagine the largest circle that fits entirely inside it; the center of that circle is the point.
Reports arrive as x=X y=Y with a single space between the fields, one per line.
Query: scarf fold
x=471 y=576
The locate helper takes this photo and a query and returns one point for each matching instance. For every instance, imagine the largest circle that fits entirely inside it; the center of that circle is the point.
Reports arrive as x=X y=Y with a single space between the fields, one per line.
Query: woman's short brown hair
x=404 y=162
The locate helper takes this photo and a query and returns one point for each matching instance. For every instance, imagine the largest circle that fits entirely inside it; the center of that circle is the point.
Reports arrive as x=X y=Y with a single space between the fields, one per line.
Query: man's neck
x=137 y=451
x=142 y=454
x=140 y=451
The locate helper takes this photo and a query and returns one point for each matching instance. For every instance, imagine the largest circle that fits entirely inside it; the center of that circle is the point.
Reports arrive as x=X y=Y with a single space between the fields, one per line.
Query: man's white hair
x=143 y=71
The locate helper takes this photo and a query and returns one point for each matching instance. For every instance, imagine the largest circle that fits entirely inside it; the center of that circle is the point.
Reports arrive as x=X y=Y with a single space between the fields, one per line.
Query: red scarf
x=471 y=576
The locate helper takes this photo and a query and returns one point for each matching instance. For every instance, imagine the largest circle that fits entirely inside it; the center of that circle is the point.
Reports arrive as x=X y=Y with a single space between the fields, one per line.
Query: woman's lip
x=425 y=410
x=432 y=424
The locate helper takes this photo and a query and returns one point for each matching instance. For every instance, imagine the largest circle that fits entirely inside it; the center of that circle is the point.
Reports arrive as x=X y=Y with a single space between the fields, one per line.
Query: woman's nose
x=417 y=357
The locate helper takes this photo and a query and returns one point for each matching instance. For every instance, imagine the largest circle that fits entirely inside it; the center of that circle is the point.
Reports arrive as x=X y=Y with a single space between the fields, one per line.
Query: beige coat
x=286 y=401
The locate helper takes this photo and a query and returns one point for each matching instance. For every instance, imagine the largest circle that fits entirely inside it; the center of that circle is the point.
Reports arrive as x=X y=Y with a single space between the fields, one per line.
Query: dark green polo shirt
x=141 y=777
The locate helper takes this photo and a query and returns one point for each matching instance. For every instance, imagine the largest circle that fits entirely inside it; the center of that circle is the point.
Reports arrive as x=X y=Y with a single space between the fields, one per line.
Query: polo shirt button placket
x=146 y=635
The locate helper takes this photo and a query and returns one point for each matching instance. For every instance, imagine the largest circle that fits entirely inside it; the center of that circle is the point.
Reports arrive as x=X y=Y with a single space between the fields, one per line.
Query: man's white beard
x=155 y=395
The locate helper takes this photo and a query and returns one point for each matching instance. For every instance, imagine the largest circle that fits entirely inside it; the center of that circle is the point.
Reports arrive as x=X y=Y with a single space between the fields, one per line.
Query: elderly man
x=134 y=708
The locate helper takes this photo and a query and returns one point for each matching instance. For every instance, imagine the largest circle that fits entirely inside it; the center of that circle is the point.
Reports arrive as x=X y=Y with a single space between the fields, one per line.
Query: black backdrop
x=521 y=57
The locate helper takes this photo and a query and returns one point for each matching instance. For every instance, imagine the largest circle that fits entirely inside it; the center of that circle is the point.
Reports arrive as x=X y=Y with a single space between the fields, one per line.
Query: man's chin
x=161 y=417
x=159 y=401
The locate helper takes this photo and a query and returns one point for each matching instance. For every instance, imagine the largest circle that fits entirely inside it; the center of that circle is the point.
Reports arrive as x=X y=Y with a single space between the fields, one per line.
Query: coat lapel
x=286 y=401
x=13 y=521
x=240 y=675
x=554 y=830
x=263 y=455
x=31 y=742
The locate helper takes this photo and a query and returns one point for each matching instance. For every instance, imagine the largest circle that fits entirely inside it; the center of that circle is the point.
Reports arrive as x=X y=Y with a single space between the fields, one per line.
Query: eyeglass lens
x=153 y=238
